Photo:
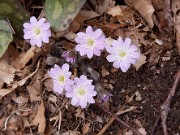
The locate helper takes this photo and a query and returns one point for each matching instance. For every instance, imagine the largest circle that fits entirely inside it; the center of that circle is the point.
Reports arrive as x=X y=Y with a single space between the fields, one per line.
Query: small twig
x=155 y=125
x=115 y=117
x=165 y=107
x=112 y=118
x=60 y=119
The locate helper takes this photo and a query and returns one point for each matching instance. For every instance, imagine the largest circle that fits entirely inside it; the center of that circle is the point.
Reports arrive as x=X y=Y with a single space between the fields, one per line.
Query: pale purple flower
x=37 y=31
x=122 y=54
x=91 y=42
x=82 y=92
x=61 y=78
x=70 y=56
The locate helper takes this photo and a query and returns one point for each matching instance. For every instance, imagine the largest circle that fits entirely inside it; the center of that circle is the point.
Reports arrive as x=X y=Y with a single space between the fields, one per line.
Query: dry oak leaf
x=145 y=8
x=141 y=61
x=40 y=119
x=115 y=11
x=6 y=72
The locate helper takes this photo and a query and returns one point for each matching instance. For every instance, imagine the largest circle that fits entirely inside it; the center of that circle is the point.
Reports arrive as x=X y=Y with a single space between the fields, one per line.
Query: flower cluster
x=37 y=31
x=89 y=43
x=80 y=89
x=121 y=53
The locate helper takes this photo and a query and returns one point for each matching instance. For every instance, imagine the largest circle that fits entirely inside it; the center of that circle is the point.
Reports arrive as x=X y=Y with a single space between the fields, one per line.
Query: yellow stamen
x=122 y=54
x=81 y=92
x=90 y=42
x=37 y=31
x=61 y=79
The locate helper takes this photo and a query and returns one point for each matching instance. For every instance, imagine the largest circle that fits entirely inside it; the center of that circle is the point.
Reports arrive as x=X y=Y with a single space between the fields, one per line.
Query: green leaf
x=13 y=10
x=61 y=13
x=6 y=37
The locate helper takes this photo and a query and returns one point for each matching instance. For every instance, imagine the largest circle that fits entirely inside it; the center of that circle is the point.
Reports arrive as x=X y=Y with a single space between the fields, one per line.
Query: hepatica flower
x=82 y=92
x=91 y=42
x=37 y=31
x=61 y=78
x=122 y=54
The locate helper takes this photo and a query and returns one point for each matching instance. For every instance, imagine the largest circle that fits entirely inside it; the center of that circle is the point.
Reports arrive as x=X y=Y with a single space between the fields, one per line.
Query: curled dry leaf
x=40 y=119
x=145 y=8
x=6 y=72
x=141 y=61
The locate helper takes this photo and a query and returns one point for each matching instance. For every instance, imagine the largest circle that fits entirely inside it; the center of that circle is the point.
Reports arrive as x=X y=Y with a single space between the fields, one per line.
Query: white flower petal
x=45 y=39
x=89 y=30
x=38 y=42
x=83 y=102
x=89 y=54
x=33 y=42
x=116 y=64
x=111 y=58
x=126 y=43
x=27 y=26
x=41 y=21
x=74 y=100
x=65 y=67
x=97 y=33
x=33 y=20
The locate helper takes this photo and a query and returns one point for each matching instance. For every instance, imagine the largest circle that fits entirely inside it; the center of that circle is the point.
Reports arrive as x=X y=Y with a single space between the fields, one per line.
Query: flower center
x=90 y=42
x=61 y=79
x=122 y=54
x=37 y=31
x=81 y=92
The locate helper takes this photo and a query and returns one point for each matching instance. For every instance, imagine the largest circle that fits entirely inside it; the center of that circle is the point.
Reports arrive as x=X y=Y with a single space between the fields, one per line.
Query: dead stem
x=165 y=107
x=115 y=117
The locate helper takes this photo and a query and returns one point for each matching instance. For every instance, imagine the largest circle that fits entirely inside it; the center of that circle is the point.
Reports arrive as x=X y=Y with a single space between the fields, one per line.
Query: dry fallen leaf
x=115 y=11
x=104 y=6
x=40 y=119
x=86 y=128
x=23 y=59
x=176 y=7
x=104 y=72
x=71 y=133
x=79 y=113
x=6 y=72
x=86 y=14
x=145 y=8
x=129 y=133
x=141 y=61
x=138 y=96
x=35 y=88
x=142 y=131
